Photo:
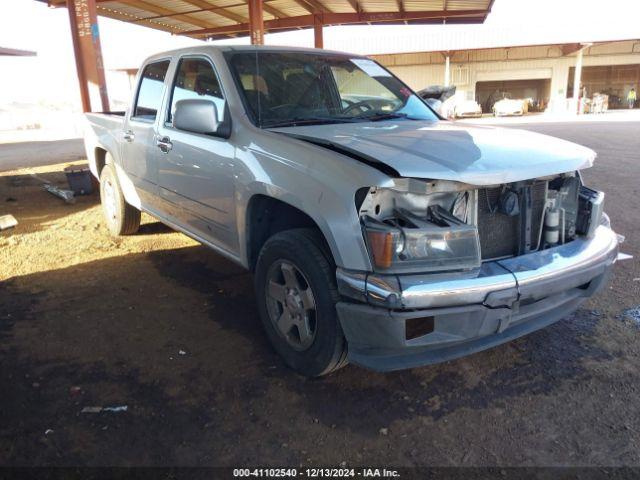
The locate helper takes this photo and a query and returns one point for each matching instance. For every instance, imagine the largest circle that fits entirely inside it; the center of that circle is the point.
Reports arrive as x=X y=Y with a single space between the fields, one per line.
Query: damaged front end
x=423 y=226
x=460 y=268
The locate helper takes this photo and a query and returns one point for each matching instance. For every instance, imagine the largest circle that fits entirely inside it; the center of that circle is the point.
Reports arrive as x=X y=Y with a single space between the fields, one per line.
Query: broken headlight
x=406 y=243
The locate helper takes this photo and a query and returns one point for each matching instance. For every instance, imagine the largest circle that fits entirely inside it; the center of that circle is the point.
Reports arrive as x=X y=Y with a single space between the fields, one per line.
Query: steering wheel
x=363 y=105
x=368 y=105
x=278 y=108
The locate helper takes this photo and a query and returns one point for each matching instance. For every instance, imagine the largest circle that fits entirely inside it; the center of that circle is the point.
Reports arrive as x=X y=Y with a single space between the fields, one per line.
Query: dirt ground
x=170 y=329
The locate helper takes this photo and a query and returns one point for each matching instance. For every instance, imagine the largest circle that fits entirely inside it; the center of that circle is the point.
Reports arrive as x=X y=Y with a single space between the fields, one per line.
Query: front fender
x=327 y=198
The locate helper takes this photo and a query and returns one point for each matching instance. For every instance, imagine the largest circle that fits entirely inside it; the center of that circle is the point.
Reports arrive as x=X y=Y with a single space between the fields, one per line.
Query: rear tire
x=297 y=295
x=120 y=217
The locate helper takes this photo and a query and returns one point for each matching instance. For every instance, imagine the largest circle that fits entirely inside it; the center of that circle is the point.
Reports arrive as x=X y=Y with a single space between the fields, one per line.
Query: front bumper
x=469 y=312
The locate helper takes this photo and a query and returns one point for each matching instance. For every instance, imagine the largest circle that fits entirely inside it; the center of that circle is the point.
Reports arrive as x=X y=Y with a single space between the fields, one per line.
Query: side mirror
x=196 y=115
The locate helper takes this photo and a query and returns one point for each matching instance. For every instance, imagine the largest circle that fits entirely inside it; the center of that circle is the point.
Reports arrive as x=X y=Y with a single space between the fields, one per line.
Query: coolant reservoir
x=552 y=227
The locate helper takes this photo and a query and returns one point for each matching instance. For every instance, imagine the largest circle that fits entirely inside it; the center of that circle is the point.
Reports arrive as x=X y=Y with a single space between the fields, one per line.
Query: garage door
x=613 y=80
x=538 y=90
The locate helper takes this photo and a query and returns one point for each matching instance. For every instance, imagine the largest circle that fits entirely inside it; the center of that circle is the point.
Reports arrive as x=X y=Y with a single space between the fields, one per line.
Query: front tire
x=297 y=294
x=120 y=217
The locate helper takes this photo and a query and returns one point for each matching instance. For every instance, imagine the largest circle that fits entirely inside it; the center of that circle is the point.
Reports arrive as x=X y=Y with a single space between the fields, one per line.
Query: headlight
x=407 y=243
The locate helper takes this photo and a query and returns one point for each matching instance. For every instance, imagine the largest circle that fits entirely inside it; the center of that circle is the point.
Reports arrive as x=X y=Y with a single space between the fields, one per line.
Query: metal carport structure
x=13 y=52
x=216 y=19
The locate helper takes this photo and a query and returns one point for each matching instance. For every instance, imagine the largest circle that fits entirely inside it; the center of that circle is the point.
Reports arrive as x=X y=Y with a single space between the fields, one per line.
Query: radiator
x=499 y=232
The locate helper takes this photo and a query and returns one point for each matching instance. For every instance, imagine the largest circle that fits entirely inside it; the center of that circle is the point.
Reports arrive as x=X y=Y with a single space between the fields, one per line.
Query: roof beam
x=149 y=7
x=355 y=5
x=335 y=19
x=273 y=11
x=189 y=12
x=312 y=6
x=570 y=48
x=223 y=12
x=304 y=5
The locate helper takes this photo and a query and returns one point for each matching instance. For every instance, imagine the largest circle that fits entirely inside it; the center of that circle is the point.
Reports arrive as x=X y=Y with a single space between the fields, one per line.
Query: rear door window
x=195 y=78
x=149 y=96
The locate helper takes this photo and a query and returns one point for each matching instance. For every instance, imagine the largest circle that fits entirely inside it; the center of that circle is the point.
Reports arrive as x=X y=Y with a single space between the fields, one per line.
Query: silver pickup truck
x=378 y=233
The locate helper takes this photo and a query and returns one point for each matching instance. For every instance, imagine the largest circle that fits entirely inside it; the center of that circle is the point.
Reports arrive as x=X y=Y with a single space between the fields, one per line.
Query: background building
x=544 y=73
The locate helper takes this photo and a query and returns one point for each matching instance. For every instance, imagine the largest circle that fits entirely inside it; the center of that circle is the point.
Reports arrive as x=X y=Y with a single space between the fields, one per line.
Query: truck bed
x=103 y=131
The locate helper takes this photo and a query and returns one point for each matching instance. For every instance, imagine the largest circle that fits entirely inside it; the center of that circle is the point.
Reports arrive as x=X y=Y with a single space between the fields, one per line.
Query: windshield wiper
x=294 y=122
x=378 y=116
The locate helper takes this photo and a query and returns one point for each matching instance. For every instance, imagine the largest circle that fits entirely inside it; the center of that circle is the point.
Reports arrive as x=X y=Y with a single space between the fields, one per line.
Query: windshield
x=300 y=88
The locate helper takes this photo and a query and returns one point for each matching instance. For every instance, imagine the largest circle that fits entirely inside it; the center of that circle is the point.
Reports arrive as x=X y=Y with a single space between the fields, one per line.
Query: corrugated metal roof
x=227 y=18
x=12 y=52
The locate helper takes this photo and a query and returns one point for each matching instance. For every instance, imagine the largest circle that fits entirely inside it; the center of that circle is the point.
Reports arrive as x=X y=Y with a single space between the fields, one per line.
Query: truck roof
x=245 y=48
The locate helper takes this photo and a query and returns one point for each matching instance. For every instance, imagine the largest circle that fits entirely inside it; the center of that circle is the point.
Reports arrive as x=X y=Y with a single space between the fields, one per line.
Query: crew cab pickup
x=378 y=233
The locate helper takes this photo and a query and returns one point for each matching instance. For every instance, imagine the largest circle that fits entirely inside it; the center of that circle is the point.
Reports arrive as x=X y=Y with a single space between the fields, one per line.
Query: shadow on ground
x=175 y=336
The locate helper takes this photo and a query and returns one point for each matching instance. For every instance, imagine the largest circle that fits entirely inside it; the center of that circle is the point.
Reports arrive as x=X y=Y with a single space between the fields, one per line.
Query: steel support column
x=86 y=45
x=577 y=80
x=256 y=22
x=447 y=69
x=317 y=32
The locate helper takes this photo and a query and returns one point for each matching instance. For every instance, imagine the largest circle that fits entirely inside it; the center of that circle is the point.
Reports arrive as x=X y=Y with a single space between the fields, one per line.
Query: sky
x=50 y=77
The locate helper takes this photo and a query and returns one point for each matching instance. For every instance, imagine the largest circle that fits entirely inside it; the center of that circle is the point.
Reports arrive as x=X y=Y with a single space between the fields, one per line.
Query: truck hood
x=477 y=155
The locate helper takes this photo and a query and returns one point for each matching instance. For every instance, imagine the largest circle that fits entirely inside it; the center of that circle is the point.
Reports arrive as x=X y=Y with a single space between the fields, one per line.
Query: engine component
x=590 y=211
x=525 y=220
x=499 y=233
x=552 y=227
x=509 y=203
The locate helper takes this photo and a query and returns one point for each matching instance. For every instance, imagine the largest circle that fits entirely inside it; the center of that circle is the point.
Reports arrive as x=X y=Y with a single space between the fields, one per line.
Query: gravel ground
x=169 y=329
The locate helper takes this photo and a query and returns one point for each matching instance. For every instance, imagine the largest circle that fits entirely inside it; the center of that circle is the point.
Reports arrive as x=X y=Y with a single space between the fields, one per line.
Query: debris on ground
x=79 y=179
x=7 y=221
x=117 y=408
x=74 y=391
x=48 y=431
x=66 y=195
x=384 y=431
x=91 y=410
x=182 y=352
x=633 y=314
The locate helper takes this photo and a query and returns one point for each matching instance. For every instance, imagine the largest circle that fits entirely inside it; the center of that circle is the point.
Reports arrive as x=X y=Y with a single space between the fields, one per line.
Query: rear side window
x=149 y=95
x=196 y=78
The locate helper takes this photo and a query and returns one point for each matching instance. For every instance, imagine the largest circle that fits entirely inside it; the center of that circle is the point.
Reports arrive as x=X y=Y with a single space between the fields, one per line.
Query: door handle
x=129 y=135
x=164 y=144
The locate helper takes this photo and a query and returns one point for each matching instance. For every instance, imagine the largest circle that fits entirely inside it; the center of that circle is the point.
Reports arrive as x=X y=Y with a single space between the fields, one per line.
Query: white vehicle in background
x=440 y=98
x=508 y=107
x=467 y=109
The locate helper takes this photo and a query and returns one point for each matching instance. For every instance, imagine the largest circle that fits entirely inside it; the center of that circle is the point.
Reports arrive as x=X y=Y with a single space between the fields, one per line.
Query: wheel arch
x=100 y=159
x=266 y=216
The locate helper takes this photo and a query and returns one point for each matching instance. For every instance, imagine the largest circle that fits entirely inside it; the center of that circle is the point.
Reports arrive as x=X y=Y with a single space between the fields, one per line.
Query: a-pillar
x=86 y=46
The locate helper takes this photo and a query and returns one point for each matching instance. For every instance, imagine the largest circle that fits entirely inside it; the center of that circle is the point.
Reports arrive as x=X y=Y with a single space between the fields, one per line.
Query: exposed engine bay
x=441 y=225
